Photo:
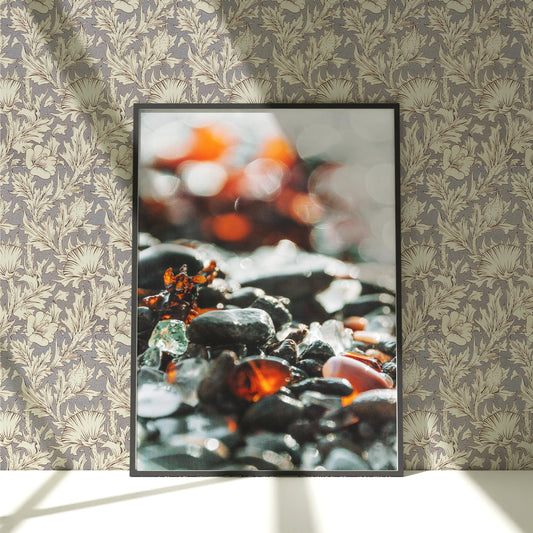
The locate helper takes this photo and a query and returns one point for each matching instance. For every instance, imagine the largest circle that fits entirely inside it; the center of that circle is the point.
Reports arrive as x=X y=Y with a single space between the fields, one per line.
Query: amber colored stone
x=361 y=376
x=370 y=361
x=171 y=372
x=256 y=377
x=356 y=323
x=379 y=355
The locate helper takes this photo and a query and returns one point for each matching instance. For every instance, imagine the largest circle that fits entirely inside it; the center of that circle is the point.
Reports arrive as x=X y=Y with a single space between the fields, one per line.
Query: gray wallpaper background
x=462 y=72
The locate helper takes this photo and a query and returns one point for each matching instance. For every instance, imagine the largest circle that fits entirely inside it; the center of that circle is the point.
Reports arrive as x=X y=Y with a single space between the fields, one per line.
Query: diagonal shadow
x=9 y=523
x=27 y=509
x=513 y=496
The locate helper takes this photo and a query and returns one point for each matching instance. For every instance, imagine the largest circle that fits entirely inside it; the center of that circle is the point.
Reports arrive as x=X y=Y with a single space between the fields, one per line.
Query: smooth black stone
x=297 y=374
x=372 y=288
x=279 y=314
x=388 y=347
x=182 y=457
x=273 y=413
x=293 y=283
x=281 y=443
x=287 y=350
x=318 y=350
x=234 y=326
x=245 y=296
x=368 y=303
x=308 y=310
x=302 y=431
x=375 y=407
x=311 y=367
x=343 y=459
x=154 y=261
x=330 y=386
x=390 y=369
x=146 y=321
x=210 y=296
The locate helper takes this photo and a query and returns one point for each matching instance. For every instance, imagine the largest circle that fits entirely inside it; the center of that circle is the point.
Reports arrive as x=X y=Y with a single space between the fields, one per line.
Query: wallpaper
x=462 y=72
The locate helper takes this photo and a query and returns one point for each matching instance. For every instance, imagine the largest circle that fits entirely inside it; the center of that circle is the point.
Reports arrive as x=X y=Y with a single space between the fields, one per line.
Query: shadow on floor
x=511 y=491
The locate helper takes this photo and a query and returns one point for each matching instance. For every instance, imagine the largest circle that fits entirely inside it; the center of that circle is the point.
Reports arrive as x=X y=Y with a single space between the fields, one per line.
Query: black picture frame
x=139 y=111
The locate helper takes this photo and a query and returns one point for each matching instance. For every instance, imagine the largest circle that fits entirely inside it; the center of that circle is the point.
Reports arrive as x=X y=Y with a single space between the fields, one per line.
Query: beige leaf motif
x=83 y=262
x=420 y=427
x=84 y=428
x=456 y=328
x=335 y=90
x=9 y=422
x=169 y=90
x=251 y=91
x=418 y=94
x=9 y=260
x=500 y=262
x=500 y=428
x=9 y=90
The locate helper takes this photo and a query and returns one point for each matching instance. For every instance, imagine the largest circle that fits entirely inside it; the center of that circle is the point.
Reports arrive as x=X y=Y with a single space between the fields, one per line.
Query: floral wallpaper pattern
x=462 y=72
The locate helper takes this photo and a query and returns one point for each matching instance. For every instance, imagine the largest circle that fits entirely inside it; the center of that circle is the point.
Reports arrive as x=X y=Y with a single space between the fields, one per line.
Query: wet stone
x=318 y=350
x=169 y=336
x=155 y=400
x=154 y=261
x=279 y=314
x=214 y=385
x=273 y=413
x=187 y=375
x=280 y=443
x=235 y=326
x=343 y=459
x=146 y=321
x=287 y=350
x=145 y=240
x=293 y=332
x=245 y=296
x=331 y=386
x=368 y=303
x=182 y=457
x=311 y=367
x=209 y=297
x=293 y=282
x=297 y=374
x=390 y=369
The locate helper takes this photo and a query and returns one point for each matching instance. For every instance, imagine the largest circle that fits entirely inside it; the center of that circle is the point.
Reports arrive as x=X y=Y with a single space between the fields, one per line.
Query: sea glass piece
x=152 y=357
x=169 y=336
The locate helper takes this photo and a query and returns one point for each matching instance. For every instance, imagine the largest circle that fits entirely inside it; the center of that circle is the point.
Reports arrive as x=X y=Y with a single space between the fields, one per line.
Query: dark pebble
x=210 y=296
x=311 y=367
x=154 y=261
x=343 y=459
x=295 y=284
x=245 y=296
x=308 y=310
x=331 y=386
x=273 y=413
x=218 y=328
x=146 y=321
x=297 y=374
x=376 y=406
x=318 y=350
x=183 y=457
x=287 y=350
x=366 y=304
x=279 y=314
x=280 y=443
x=388 y=347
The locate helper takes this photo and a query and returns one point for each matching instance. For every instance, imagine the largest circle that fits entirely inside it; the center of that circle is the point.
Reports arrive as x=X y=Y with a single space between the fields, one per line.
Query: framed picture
x=266 y=316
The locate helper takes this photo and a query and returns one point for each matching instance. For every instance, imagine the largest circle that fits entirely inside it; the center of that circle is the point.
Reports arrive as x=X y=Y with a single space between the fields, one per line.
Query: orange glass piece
x=178 y=301
x=255 y=378
x=379 y=355
x=361 y=376
x=356 y=323
x=231 y=227
x=368 y=360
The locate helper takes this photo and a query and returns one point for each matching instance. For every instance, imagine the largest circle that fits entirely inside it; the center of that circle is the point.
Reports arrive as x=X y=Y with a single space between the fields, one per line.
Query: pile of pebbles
x=291 y=365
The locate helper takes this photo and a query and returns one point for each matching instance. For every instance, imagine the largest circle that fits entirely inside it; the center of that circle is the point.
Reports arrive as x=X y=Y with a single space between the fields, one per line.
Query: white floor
x=102 y=502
